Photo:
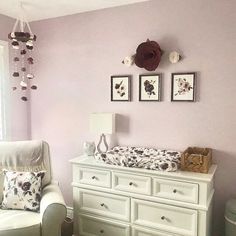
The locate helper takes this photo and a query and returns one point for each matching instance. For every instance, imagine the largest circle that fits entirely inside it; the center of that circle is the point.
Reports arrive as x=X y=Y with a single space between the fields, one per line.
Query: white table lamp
x=102 y=123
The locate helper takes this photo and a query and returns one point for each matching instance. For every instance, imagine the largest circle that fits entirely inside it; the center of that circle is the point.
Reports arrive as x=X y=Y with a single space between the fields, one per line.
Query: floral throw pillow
x=22 y=190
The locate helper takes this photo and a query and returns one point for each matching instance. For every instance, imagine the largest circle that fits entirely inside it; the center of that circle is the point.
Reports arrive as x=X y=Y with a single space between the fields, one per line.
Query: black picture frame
x=121 y=84
x=181 y=85
x=150 y=92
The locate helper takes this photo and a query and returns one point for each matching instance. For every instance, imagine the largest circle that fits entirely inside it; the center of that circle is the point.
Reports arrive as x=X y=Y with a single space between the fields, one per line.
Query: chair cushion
x=1 y=185
x=30 y=155
x=22 y=190
x=20 y=223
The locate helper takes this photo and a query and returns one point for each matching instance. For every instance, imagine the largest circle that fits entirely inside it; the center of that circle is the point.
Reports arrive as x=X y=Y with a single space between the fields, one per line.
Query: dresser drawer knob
x=94 y=177
x=174 y=191
x=131 y=183
x=101 y=231
x=163 y=218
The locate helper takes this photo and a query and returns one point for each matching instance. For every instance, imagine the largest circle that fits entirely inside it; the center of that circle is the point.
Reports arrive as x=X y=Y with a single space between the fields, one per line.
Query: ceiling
x=45 y=9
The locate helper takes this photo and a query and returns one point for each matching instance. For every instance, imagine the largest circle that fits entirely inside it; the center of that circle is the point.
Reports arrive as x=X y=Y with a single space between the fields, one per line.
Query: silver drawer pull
x=163 y=218
x=131 y=183
x=174 y=191
x=94 y=177
x=101 y=231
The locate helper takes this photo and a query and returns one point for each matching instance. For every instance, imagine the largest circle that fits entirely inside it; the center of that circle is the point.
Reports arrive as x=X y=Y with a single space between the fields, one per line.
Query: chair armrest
x=52 y=210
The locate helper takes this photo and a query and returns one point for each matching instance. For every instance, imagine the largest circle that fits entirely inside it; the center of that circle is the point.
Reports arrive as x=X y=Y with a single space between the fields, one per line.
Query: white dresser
x=119 y=201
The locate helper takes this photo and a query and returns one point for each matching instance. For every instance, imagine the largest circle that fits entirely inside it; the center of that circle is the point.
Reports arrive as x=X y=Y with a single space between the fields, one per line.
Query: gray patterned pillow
x=22 y=190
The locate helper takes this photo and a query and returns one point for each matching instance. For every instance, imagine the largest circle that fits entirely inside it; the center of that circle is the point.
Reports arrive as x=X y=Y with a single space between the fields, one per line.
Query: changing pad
x=139 y=157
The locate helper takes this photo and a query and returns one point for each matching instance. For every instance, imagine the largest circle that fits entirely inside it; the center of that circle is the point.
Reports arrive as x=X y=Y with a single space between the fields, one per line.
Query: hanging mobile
x=22 y=45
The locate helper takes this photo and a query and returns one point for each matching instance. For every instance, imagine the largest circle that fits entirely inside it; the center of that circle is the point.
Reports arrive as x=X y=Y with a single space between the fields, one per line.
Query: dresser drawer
x=91 y=226
x=164 y=217
x=139 y=231
x=104 y=204
x=132 y=183
x=175 y=190
x=91 y=176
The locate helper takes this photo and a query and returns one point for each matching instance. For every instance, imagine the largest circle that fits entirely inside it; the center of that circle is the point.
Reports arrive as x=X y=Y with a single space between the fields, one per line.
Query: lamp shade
x=102 y=123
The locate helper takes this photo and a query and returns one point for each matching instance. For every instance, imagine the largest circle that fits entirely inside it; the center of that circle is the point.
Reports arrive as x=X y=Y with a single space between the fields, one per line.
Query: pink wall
x=18 y=110
x=77 y=55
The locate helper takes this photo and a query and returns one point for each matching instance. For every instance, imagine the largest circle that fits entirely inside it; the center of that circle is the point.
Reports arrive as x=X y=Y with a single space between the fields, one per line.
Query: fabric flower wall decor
x=148 y=55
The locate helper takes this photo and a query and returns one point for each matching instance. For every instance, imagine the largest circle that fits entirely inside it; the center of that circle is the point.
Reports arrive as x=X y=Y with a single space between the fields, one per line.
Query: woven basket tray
x=196 y=159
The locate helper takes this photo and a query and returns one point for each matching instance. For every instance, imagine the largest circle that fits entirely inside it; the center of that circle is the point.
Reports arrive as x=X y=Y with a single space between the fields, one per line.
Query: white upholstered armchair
x=31 y=156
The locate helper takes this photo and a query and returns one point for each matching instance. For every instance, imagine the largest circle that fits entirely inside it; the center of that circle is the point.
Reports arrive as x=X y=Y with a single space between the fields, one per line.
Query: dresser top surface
x=86 y=161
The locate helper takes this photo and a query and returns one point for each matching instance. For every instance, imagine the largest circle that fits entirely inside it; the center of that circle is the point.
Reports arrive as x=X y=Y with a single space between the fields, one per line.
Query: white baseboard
x=70 y=212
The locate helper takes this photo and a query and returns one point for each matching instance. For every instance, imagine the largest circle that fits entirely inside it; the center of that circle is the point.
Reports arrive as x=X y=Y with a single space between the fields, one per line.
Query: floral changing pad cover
x=139 y=157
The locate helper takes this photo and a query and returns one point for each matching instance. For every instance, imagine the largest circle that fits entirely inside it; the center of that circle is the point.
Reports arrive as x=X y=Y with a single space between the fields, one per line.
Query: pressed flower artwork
x=120 y=88
x=183 y=87
x=150 y=87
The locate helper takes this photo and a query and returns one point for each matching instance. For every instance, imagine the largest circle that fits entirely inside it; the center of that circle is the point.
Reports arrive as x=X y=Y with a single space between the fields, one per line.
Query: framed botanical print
x=150 y=87
x=183 y=87
x=120 y=88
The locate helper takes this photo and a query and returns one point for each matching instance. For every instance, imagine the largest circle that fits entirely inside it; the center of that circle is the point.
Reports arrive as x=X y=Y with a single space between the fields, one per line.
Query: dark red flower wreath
x=148 y=55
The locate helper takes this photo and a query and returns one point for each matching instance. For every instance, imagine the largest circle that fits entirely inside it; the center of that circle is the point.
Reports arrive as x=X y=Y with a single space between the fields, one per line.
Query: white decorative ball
x=29 y=43
x=23 y=84
x=128 y=61
x=174 y=57
x=30 y=76
x=16 y=47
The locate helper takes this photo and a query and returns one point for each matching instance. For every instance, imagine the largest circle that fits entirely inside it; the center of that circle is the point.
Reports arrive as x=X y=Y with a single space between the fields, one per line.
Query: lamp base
x=104 y=141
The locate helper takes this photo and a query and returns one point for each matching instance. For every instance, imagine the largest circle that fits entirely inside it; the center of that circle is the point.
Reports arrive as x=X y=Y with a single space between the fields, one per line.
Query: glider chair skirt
x=31 y=156
x=230 y=218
